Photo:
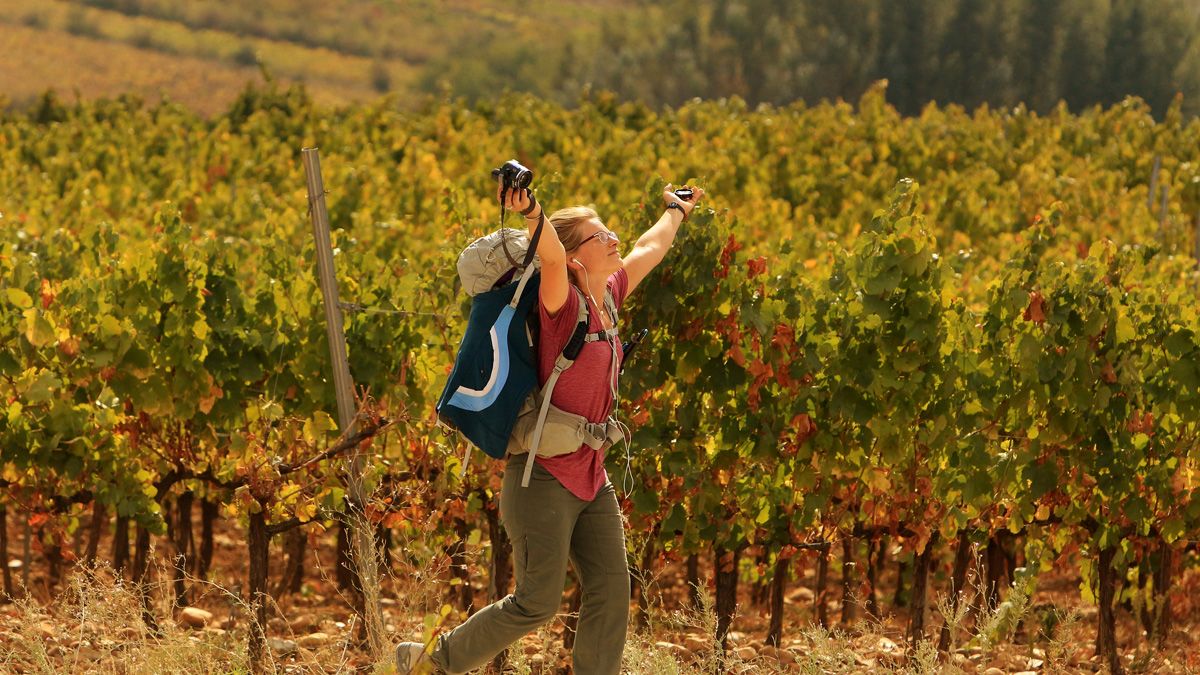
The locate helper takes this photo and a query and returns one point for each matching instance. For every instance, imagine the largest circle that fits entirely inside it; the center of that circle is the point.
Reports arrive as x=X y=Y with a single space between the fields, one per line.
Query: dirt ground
x=92 y=623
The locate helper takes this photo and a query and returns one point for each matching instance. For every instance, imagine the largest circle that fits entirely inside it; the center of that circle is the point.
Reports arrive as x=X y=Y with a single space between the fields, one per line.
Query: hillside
x=202 y=53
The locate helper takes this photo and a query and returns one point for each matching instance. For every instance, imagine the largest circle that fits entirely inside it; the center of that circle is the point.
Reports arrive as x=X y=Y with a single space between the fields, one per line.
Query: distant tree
x=844 y=58
x=975 y=64
x=907 y=56
x=1167 y=34
x=34 y=19
x=79 y=22
x=1124 y=52
x=245 y=55
x=1037 y=63
x=1081 y=64
x=381 y=77
x=1188 y=74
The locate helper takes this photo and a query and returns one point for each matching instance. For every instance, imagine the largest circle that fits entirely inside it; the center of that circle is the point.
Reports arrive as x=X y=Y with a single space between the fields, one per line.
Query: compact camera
x=513 y=176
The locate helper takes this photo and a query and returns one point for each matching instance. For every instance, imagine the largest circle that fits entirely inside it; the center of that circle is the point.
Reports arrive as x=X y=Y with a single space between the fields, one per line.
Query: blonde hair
x=566 y=224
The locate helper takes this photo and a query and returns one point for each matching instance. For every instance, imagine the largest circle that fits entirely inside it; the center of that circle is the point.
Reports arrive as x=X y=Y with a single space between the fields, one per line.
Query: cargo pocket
x=520 y=546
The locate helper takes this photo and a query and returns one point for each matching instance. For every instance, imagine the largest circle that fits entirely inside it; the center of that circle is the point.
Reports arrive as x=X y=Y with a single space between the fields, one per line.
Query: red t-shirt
x=584 y=388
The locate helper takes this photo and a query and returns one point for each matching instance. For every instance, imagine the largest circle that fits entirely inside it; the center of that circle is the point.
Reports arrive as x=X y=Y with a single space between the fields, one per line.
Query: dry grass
x=95 y=626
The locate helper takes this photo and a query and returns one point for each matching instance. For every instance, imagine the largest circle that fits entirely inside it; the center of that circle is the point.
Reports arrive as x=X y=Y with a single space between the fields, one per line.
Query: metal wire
x=355 y=307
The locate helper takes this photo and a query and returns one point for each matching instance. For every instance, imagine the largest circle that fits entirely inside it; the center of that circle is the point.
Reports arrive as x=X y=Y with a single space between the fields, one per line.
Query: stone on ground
x=746 y=653
x=314 y=640
x=194 y=617
x=678 y=651
x=281 y=648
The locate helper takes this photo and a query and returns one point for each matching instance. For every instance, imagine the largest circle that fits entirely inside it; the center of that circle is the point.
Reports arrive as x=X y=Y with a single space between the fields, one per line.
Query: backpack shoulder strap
x=610 y=303
x=579 y=337
x=565 y=359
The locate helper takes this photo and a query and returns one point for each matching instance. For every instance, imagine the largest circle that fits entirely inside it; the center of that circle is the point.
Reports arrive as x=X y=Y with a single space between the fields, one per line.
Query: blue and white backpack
x=492 y=396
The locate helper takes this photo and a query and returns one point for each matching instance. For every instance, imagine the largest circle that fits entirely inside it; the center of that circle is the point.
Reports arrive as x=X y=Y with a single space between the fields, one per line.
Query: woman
x=569 y=511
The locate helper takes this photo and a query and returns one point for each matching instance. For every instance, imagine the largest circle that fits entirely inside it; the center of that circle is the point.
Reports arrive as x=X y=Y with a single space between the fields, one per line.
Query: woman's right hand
x=516 y=200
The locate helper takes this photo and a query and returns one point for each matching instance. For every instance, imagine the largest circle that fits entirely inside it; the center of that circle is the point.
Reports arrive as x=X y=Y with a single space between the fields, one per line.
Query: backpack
x=491 y=396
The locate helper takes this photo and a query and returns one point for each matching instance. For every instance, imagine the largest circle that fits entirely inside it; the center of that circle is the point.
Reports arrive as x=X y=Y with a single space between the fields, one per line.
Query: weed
x=1058 y=628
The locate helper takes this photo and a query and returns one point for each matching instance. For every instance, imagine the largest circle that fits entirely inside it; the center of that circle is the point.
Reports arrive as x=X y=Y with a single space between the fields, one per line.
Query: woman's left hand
x=669 y=196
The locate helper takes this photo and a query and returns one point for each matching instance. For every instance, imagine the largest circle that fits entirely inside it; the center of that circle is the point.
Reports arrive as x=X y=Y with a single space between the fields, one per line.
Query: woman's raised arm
x=653 y=245
x=553 y=257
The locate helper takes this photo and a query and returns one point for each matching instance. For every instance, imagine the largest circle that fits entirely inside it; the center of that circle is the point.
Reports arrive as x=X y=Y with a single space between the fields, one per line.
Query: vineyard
x=889 y=348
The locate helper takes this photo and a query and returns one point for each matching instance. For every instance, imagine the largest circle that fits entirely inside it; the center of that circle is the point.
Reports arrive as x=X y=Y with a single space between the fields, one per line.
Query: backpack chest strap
x=601 y=335
x=610 y=304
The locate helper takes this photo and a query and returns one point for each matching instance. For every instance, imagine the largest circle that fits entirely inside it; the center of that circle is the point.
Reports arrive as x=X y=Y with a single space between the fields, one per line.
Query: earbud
x=576 y=261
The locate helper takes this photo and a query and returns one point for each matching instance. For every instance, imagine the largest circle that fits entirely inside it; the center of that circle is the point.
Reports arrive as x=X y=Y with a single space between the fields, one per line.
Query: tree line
x=970 y=52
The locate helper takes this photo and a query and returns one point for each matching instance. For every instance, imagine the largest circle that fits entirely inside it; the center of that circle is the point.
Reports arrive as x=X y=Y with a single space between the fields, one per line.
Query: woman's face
x=599 y=250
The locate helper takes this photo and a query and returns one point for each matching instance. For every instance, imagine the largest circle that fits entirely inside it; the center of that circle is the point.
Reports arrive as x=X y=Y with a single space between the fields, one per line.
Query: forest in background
x=969 y=52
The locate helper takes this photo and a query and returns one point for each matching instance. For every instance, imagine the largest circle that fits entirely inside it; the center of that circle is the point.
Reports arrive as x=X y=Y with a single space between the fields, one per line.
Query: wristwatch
x=677 y=205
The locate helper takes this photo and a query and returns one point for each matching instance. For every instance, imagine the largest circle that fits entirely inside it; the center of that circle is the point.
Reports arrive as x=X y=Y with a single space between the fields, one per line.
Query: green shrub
x=381 y=78
x=246 y=55
x=34 y=20
x=79 y=23
x=143 y=39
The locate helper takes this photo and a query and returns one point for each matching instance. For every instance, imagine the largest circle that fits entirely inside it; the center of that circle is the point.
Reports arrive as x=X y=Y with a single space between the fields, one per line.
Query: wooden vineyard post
x=26 y=557
x=1196 y=240
x=1162 y=209
x=1150 y=191
x=8 y=586
x=363 y=545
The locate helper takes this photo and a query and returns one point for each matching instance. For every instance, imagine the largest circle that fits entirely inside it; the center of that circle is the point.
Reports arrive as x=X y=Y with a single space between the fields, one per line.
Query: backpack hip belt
x=562 y=432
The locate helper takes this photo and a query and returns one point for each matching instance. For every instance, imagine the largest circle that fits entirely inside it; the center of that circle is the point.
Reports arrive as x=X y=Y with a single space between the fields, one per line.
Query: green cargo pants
x=547 y=526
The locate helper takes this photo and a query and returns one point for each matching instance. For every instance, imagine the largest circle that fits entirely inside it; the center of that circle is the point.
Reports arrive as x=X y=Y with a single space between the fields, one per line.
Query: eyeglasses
x=604 y=237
